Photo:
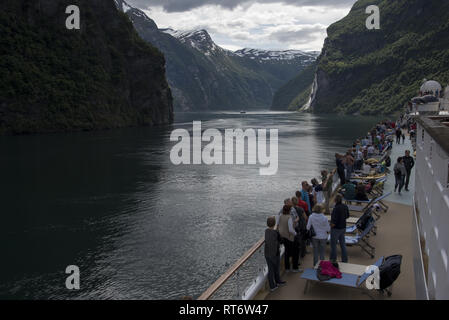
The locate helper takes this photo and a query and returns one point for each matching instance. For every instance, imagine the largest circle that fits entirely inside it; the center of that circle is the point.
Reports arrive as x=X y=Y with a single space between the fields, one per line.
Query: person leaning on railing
x=305 y=196
x=300 y=228
x=348 y=162
x=318 y=194
x=340 y=168
x=301 y=203
x=327 y=181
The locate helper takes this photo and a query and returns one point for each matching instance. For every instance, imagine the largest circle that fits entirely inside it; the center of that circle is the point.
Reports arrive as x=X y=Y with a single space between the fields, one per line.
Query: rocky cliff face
x=55 y=79
x=377 y=71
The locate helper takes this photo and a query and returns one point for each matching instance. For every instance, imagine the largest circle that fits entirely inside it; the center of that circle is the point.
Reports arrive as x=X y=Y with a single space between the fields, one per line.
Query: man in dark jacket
x=398 y=135
x=409 y=163
x=340 y=168
x=338 y=229
x=272 y=254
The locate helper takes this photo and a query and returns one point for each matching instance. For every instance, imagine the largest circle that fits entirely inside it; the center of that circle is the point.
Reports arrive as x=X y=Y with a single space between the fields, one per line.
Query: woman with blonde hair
x=321 y=227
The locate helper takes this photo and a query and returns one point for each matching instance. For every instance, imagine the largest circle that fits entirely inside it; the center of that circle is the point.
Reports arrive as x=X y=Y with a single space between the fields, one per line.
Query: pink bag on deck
x=328 y=269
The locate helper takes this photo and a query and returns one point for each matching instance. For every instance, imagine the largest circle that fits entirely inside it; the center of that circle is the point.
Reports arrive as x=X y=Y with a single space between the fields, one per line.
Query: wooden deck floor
x=394 y=236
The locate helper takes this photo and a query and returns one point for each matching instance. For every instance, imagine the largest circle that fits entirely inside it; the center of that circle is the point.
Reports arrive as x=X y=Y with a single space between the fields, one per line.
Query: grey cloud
x=308 y=33
x=241 y=36
x=185 y=5
x=234 y=24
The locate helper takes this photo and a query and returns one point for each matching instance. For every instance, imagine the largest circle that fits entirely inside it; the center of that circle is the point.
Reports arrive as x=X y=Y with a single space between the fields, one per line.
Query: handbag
x=311 y=232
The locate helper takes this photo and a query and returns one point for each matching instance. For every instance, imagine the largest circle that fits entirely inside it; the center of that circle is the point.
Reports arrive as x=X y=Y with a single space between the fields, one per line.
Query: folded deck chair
x=353 y=276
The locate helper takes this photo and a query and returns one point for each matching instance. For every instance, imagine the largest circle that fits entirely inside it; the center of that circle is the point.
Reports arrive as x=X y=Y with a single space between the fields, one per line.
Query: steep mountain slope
x=198 y=81
x=278 y=67
x=204 y=76
x=55 y=79
x=296 y=92
x=377 y=71
x=275 y=67
x=197 y=39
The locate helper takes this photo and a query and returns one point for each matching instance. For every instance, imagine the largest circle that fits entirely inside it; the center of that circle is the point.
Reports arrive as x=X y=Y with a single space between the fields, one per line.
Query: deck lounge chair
x=361 y=240
x=378 y=188
x=370 y=203
x=362 y=177
x=353 y=221
x=368 y=215
x=353 y=276
x=350 y=220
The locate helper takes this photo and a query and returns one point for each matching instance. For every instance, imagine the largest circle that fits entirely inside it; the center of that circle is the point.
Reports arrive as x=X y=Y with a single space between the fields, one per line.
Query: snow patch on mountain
x=268 y=55
x=198 y=39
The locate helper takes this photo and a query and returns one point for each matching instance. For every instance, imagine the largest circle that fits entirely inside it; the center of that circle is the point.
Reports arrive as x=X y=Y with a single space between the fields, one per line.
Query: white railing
x=245 y=279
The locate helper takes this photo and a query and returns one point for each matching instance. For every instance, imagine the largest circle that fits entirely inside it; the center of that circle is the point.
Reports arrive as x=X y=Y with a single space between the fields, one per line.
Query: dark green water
x=137 y=226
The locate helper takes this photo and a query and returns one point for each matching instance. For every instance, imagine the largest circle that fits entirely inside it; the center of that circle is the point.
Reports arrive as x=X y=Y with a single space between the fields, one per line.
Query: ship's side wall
x=445 y=100
x=422 y=292
x=432 y=204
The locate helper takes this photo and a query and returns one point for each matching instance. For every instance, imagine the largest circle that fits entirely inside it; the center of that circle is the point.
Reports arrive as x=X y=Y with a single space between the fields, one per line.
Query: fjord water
x=137 y=226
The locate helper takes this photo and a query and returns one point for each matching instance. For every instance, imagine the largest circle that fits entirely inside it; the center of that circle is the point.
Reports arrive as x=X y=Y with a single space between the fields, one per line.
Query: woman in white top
x=318 y=192
x=321 y=227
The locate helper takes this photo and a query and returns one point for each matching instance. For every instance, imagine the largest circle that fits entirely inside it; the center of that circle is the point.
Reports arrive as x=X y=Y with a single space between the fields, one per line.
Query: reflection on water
x=137 y=226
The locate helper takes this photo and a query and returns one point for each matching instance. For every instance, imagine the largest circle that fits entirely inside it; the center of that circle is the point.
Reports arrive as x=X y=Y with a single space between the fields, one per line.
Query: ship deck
x=394 y=236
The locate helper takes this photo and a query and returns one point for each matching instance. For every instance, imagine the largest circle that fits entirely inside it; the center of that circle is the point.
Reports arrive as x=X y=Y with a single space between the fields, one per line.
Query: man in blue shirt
x=305 y=195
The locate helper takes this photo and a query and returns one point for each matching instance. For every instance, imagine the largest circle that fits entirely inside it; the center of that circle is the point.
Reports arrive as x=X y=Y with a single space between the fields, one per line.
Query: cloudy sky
x=262 y=24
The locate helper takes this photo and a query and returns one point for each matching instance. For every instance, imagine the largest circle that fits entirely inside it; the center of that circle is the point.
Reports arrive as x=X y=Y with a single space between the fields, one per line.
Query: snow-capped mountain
x=204 y=76
x=198 y=39
x=201 y=40
x=272 y=55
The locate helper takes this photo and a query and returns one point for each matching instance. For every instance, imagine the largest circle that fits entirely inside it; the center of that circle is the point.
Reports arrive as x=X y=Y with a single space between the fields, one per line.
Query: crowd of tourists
x=304 y=219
